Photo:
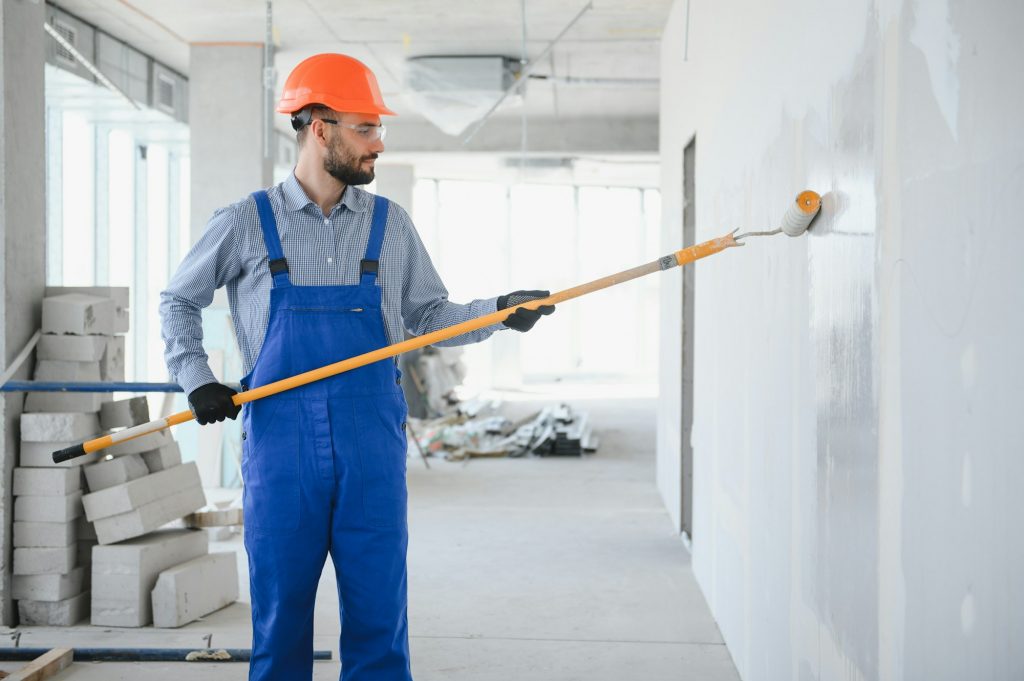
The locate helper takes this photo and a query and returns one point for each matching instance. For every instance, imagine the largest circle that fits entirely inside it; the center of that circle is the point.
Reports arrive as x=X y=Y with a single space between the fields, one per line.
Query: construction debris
x=473 y=430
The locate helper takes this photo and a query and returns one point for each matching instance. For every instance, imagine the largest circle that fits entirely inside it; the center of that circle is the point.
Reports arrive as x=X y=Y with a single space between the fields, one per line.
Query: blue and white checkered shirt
x=320 y=252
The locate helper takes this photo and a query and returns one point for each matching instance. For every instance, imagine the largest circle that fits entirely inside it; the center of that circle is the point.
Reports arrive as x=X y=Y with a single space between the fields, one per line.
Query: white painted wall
x=859 y=443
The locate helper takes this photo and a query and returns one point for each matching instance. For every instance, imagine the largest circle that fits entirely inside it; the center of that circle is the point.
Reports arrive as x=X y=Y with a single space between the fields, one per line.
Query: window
x=489 y=238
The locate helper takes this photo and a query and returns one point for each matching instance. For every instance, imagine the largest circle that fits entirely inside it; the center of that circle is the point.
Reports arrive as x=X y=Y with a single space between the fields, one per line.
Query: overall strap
x=278 y=265
x=370 y=263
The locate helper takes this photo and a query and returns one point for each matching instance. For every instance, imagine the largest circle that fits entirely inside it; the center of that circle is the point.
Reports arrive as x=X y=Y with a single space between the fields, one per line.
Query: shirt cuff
x=195 y=375
x=492 y=306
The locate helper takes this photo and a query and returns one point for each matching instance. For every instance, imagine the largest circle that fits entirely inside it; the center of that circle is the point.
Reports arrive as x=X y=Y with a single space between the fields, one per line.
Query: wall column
x=23 y=230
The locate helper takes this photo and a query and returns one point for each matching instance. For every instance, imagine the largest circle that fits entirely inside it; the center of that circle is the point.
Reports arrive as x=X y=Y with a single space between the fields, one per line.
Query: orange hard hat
x=335 y=80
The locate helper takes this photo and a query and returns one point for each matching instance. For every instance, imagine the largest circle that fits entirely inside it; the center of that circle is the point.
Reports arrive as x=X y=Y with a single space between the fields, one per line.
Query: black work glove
x=523 y=319
x=212 y=402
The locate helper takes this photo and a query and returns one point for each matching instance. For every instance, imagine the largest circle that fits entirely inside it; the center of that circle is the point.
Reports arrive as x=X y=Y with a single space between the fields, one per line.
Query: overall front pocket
x=270 y=464
x=380 y=424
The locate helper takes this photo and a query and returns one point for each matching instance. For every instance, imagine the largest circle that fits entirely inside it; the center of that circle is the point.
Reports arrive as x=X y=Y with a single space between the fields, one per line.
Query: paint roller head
x=801 y=213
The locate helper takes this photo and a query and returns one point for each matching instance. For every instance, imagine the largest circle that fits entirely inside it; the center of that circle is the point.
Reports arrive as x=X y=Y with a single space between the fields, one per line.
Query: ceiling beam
x=547 y=135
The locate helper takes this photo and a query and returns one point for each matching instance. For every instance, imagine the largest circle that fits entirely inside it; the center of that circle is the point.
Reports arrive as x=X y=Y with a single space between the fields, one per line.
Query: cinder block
x=161 y=459
x=46 y=482
x=40 y=455
x=45 y=561
x=112 y=362
x=124 y=574
x=78 y=314
x=147 y=518
x=115 y=471
x=84 y=530
x=188 y=591
x=48 y=509
x=55 y=613
x=64 y=402
x=71 y=348
x=66 y=370
x=124 y=413
x=59 y=427
x=36 y=535
x=215 y=534
x=222 y=517
x=142 y=444
x=49 y=587
x=118 y=294
x=131 y=495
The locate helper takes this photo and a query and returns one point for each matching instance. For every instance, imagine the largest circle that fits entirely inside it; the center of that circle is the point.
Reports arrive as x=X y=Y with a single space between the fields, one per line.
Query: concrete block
x=44 y=561
x=48 y=482
x=216 y=534
x=48 y=509
x=72 y=348
x=53 y=535
x=223 y=517
x=84 y=529
x=112 y=362
x=131 y=495
x=64 y=402
x=66 y=370
x=163 y=458
x=118 y=294
x=63 y=613
x=124 y=574
x=40 y=455
x=147 y=518
x=133 y=411
x=117 y=471
x=78 y=314
x=49 y=587
x=59 y=427
x=145 y=443
x=188 y=591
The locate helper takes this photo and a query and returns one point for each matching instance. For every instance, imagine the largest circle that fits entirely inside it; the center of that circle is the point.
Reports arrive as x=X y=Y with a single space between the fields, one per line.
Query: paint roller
x=797 y=218
x=795 y=222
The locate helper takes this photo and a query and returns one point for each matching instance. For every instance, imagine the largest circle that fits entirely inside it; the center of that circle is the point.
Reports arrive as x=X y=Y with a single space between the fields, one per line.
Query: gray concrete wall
x=857 y=440
x=226 y=127
x=23 y=229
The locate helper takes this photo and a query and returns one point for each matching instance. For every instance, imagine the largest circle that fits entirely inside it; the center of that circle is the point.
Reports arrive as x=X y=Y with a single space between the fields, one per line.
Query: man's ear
x=318 y=131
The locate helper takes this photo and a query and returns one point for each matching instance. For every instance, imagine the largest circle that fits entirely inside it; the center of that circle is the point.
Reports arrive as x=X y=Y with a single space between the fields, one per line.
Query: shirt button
x=330 y=260
x=327 y=221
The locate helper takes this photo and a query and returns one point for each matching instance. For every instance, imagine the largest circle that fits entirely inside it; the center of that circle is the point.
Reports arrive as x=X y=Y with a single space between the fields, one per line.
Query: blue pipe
x=82 y=387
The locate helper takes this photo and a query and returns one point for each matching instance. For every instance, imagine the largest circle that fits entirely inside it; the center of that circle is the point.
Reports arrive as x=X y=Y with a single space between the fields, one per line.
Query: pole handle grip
x=69 y=453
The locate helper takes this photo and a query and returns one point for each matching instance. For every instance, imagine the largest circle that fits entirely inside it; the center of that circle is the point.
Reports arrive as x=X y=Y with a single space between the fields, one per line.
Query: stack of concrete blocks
x=50 y=579
x=140 y=487
x=53 y=542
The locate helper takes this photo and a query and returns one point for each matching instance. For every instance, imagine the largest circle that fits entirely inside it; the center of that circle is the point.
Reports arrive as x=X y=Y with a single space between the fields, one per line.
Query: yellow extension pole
x=679 y=258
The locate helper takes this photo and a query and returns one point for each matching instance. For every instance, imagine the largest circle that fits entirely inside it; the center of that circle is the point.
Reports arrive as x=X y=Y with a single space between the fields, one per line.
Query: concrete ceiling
x=615 y=39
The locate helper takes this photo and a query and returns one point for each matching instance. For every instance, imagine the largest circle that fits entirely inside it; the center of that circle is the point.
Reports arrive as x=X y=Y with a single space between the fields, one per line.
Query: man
x=318 y=270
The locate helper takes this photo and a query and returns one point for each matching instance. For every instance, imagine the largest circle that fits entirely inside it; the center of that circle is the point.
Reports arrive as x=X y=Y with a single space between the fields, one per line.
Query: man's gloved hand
x=523 y=319
x=212 y=402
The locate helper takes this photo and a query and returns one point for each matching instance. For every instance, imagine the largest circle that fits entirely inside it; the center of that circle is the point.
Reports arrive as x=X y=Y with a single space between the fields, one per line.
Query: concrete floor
x=540 y=569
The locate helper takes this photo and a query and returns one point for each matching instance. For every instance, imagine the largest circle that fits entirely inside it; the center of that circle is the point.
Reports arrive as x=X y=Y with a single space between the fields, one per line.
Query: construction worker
x=318 y=270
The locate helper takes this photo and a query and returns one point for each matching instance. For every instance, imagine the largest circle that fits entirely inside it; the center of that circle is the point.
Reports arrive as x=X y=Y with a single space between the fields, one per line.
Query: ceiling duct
x=454 y=91
x=78 y=34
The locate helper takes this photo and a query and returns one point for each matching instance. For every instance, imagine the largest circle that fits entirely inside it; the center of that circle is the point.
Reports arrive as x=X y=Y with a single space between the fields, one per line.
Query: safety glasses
x=371 y=133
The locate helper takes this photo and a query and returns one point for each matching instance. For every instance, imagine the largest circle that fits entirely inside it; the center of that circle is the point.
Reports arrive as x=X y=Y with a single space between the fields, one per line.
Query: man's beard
x=346 y=168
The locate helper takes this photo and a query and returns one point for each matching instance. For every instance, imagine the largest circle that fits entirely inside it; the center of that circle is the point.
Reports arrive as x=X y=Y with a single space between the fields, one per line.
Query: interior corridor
x=555 y=569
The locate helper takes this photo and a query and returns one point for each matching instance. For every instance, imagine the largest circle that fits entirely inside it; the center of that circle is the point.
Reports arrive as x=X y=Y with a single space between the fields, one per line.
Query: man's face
x=350 y=156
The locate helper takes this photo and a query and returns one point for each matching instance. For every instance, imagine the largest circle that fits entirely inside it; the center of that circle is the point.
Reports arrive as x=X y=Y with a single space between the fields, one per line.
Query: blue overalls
x=324 y=471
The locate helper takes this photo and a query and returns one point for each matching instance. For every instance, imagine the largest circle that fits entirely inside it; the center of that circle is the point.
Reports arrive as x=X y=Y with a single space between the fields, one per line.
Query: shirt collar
x=295 y=197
